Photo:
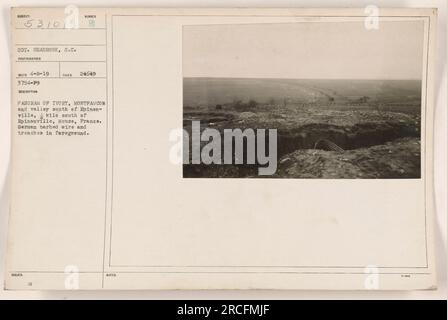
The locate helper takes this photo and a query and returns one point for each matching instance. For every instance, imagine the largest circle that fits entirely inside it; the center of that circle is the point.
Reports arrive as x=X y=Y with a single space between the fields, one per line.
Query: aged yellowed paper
x=222 y=149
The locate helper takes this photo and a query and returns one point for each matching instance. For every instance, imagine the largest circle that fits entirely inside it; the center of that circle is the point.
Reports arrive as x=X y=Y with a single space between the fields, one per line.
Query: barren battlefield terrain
x=326 y=128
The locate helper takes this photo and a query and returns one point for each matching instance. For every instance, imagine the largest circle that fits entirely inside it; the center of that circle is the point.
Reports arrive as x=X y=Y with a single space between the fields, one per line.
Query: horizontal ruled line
x=229 y=272
x=60 y=77
x=66 y=29
x=59 y=61
x=60 y=45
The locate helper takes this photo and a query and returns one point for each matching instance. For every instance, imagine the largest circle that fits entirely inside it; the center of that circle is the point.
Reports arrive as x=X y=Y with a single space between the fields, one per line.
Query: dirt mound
x=397 y=159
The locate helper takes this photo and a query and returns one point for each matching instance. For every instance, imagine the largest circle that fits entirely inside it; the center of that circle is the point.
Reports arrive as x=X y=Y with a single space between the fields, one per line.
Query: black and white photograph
x=344 y=99
x=282 y=151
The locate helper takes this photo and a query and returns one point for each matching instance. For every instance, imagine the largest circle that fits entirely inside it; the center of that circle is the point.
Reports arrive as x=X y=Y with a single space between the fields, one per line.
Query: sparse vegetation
x=366 y=119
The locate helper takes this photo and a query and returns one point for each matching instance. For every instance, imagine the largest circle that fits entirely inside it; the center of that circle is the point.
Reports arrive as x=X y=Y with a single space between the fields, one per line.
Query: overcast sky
x=318 y=50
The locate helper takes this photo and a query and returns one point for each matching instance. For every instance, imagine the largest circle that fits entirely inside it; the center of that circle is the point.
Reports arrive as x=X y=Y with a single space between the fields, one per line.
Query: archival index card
x=222 y=149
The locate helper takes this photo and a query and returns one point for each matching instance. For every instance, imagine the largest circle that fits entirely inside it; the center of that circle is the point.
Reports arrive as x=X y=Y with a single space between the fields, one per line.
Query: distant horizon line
x=271 y=78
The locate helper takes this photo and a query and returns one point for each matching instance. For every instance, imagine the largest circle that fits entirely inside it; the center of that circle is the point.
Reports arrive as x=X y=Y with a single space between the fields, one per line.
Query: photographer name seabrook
x=210 y=152
x=225 y=309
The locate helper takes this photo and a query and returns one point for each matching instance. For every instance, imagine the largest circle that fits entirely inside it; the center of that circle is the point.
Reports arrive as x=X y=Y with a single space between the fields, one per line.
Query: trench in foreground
x=313 y=136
